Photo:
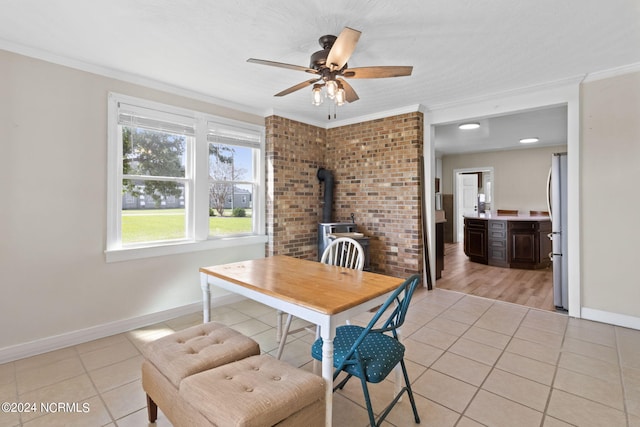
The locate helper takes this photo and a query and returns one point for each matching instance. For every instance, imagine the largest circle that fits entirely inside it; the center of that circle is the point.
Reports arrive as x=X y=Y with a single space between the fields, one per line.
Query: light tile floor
x=473 y=362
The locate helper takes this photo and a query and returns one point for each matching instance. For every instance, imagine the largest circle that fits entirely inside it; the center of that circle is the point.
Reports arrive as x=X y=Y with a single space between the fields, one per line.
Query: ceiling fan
x=329 y=66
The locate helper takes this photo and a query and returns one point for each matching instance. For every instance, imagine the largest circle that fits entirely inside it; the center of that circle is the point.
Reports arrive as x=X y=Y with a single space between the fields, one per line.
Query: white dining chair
x=343 y=252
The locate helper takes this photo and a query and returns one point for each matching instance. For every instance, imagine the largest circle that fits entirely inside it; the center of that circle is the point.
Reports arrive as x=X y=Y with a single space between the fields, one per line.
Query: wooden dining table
x=322 y=294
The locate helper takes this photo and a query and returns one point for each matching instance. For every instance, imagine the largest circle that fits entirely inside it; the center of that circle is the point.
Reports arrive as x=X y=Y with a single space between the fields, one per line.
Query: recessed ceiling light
x=529 y=140
x=469 y=126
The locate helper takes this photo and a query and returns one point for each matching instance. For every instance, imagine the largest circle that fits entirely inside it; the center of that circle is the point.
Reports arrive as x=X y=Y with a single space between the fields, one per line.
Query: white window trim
x=198 y=221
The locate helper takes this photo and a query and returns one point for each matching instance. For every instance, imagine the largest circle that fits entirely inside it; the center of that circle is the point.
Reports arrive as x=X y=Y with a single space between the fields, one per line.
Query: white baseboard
x=32 y=348
x=611 y=318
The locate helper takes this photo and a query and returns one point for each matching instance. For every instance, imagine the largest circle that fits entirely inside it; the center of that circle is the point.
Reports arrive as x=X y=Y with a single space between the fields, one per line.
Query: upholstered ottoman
x=253 y=392
x=171 y=359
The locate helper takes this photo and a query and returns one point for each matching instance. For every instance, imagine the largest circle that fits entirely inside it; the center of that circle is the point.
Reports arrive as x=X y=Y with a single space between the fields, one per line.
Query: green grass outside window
x=148 y=225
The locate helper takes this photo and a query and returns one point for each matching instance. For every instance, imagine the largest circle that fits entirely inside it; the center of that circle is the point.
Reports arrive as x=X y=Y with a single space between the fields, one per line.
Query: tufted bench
x=171 y=359
x=210 y=375
x=257 y=391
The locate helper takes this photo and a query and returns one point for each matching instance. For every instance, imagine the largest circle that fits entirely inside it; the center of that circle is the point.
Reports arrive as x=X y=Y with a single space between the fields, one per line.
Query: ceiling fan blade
x=342 y=48
x=377 y=72
x=350 y=95
x=297 y=87
x=282 y=65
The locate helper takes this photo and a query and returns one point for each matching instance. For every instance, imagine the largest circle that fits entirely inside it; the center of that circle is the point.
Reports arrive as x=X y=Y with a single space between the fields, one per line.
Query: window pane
x=152 y=211
x=230 y=209
x=230 y=197
x=152 y=152
x=230 y=162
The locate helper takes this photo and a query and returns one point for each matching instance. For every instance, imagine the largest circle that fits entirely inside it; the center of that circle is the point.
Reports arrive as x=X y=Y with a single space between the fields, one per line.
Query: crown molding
x=612 y=72
x=354 y=120
x=375 y=116
x=123 y=76
x=294 y=117
x=525 y=90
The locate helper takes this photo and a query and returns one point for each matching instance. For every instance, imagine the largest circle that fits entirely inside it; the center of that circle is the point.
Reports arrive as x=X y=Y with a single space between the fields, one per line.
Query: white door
x=467 y=199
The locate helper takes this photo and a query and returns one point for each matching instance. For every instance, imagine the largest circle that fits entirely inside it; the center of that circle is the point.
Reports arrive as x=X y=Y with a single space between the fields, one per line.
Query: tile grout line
x=555 y=373
x=41 y=387
x=493 y=366
x=449 y=306
x=461 y=414
x=99 y=394
x=592 y=376
x=14 y=371
x=621 y=373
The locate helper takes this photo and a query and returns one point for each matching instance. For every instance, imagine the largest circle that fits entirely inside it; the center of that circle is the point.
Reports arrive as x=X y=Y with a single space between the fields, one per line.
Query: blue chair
x=371 y=353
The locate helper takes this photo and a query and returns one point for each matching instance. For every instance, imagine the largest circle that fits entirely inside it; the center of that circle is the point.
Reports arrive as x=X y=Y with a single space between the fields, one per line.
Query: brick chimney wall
x=294 y=153
x=376 y=171
x=375 y=165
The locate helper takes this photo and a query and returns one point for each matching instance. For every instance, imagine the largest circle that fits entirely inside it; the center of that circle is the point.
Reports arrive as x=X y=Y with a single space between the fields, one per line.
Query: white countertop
x=520 y=217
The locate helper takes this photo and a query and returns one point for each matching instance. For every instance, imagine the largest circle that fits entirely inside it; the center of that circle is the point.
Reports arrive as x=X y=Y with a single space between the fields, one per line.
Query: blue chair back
x=401 y=297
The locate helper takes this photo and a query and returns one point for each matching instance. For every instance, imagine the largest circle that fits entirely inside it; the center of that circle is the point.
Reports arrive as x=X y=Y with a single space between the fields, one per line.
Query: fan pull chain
x=335 y=109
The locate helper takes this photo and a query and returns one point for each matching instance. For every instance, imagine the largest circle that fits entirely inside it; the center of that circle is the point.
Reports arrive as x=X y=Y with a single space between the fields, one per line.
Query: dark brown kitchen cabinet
x=515 y=242
x=475 y=240
x=529 y=244
x=498 y=250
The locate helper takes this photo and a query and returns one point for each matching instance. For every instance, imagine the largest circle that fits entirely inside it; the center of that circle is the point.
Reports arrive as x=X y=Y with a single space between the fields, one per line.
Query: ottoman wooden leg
x=152 y=410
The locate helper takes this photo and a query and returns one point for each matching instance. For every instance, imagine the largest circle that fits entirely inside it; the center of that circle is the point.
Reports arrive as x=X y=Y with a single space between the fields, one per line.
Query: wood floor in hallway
x=532 y=288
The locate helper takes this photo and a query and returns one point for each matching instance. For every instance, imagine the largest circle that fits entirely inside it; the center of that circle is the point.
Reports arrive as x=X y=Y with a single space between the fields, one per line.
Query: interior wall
x=609 y=164
x=520 y=176
x=53 y=184
x=294 y=153
x=376 y=177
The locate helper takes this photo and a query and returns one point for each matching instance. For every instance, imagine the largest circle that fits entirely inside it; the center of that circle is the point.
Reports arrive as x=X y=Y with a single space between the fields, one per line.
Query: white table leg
x=317 y=366
x=327 y=370
x=206 y=298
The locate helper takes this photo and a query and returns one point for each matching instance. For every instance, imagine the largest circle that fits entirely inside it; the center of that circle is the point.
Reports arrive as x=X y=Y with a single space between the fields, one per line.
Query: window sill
x=127 y=254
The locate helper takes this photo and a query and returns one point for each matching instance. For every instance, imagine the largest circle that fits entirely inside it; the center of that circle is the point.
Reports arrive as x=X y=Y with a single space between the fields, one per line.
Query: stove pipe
x=327 y=177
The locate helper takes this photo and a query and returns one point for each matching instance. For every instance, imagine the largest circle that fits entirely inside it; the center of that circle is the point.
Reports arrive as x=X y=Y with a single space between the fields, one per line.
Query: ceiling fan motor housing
x=319 y=58
x=326 y=42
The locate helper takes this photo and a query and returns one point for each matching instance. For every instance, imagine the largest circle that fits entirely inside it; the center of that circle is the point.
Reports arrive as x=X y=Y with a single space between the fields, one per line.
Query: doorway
x=473 y=194
x=519 y=101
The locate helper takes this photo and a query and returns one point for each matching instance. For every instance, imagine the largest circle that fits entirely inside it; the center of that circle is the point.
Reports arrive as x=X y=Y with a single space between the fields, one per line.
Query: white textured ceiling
x=504 y=132
x=460 y=49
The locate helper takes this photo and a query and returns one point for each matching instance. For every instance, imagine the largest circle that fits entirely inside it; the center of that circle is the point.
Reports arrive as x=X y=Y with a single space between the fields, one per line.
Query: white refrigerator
x=557 y=199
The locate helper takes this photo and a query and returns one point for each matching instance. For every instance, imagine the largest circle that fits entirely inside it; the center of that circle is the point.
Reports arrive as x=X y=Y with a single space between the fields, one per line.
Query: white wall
x=53 y=145
x=610 y=202
x=520 y=176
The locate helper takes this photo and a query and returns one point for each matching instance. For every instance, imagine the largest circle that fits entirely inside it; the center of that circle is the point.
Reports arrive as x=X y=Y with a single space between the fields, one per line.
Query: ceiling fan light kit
x=330 y=64
x=317 y=95
x=340 y=97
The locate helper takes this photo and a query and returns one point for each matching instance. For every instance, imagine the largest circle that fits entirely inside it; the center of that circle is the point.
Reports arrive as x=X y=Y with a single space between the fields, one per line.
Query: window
x=180 y=180
x=232 y=184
